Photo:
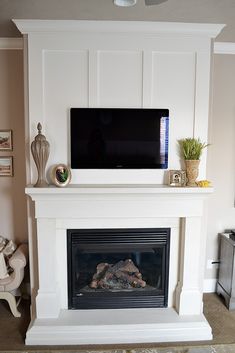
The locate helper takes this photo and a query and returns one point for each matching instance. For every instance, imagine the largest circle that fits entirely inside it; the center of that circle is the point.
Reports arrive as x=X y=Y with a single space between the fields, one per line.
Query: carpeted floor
x=222 y=321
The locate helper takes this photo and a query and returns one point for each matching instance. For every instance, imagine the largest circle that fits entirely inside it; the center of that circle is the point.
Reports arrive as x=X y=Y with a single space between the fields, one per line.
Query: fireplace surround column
x=48 y=297
x=188 y=291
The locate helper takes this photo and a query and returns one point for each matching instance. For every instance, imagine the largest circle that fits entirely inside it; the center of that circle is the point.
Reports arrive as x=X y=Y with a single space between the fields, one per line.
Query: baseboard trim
x=209 y=285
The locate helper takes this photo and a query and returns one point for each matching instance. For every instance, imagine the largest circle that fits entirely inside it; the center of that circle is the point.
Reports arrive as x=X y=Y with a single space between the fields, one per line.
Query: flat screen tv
x=106 y=138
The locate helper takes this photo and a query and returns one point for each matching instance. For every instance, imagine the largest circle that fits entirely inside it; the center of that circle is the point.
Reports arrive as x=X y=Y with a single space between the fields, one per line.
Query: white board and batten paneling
x=118 y=64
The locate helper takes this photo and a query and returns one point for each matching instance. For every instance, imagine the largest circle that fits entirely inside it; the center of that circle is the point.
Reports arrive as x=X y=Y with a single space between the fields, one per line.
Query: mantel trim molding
x=201 y=29
x=73 y=189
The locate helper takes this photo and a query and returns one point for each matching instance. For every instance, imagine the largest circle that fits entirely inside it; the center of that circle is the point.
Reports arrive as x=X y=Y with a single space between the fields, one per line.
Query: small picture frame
x=6 y=140
x=177 y=178
x=6 y=166
x=61 y=175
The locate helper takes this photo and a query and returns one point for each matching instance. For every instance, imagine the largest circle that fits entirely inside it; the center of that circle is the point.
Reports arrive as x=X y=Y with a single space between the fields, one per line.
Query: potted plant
x=191 y=151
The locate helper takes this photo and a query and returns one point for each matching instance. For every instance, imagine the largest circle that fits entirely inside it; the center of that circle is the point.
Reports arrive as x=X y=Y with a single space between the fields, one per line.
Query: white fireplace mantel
x=119 y=206
x=166 y=201
x=116 y=64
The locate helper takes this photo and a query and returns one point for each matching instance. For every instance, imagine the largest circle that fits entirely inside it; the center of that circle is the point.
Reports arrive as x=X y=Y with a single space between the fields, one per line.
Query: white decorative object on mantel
x=120 y=206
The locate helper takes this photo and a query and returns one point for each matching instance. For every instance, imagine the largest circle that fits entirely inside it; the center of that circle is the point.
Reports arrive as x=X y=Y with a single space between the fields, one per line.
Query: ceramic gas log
x=122 y=275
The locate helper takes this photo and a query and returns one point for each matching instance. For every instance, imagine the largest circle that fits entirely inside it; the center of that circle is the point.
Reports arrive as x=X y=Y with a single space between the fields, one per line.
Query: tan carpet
x=222 y=321
x=220 y=318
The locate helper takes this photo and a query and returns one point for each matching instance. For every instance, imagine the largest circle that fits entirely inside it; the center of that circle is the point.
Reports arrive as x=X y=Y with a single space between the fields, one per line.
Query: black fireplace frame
x=159 y=237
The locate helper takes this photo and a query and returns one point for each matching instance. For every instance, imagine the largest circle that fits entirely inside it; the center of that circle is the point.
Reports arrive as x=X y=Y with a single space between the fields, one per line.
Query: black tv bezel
x=89 y=165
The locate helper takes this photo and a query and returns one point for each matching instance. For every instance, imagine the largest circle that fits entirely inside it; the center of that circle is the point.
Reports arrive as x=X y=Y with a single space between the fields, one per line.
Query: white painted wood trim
x=76 y=189
x=224 y=48
x=202 y=29
x=209 y=285
x=11 y=43
x=109 y=206
x=129 y=326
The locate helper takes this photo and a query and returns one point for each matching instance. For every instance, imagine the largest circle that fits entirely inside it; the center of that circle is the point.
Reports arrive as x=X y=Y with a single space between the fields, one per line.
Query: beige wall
x=221 y=154
x=13 y=221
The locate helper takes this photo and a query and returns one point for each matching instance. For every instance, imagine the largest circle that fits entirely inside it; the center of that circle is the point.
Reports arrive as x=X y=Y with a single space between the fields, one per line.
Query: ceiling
x=207 y=11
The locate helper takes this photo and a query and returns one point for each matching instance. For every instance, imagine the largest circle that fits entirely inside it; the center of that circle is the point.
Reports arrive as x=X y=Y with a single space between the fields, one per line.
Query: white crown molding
x=202 y=29
x=11 y=43
x=224 y=48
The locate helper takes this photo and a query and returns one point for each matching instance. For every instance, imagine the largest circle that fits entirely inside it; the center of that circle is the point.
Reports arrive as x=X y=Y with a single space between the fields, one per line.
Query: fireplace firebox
x=118 y=268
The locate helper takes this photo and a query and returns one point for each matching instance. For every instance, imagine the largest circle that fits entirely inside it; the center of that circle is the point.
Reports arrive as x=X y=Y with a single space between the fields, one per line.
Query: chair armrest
x=18 y=262
x=19 y=258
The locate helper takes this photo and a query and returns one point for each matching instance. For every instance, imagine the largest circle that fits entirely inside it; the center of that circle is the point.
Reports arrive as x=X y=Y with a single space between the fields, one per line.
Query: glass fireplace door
x=121 y=268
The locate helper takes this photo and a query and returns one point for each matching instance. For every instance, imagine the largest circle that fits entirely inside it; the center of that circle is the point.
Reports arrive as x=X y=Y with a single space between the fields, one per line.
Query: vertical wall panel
x=65 y=82
x=120 y=79
x=173 y=87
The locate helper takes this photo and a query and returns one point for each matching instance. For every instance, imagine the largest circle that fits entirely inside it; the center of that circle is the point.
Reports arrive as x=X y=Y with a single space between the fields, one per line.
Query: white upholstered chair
x=17 y=262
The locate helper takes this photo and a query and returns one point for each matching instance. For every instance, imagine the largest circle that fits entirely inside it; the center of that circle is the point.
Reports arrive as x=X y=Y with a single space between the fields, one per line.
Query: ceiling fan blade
x=153 y=2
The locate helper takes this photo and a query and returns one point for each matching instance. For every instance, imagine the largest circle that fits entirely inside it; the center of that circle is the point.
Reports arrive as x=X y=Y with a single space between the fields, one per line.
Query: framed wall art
x=6 y=140
x=6 y=166
x=177 y=178
x=61 y=175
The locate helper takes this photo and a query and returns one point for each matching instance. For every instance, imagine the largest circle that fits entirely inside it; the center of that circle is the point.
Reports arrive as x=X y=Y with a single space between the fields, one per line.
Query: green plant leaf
x=191 y=148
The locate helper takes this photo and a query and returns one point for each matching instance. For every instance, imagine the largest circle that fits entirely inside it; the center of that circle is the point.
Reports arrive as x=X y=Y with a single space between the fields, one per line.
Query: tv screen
x=106 y=138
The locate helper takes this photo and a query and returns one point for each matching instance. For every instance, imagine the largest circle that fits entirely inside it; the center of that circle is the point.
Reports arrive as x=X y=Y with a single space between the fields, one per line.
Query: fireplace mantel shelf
x=117 y=189
x=118 y=200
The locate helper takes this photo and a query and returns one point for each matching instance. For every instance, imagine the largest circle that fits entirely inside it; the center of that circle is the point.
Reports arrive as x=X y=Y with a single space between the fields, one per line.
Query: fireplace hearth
x=118 y=268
